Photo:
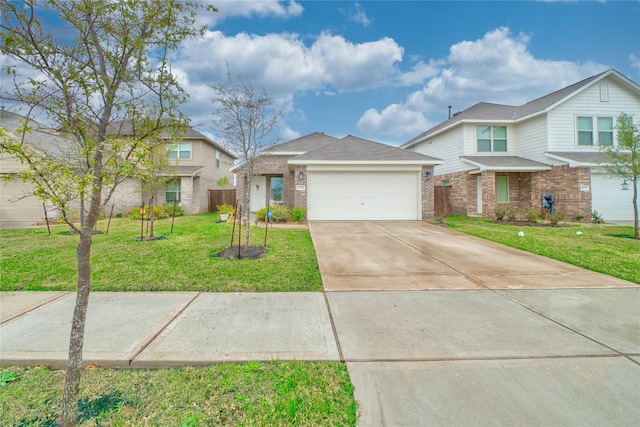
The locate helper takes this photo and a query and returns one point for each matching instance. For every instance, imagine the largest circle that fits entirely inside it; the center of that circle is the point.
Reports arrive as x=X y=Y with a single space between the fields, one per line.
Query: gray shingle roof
x=581 y=157
x=303 y=143
x=354 y=149
x=505 y=162
x=498 y=112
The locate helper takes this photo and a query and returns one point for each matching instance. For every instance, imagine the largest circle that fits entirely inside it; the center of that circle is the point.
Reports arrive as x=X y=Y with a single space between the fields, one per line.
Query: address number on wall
x=584 y=188
x=301 y=187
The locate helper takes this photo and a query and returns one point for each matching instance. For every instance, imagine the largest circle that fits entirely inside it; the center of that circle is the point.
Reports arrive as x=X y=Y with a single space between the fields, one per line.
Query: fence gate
x=442 y=205
x=221 y=197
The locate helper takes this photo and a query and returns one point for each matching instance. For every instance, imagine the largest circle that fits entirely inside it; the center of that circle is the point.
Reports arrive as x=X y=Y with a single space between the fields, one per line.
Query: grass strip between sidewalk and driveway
x=250 y=394
x=32 y=260
x=607 y=249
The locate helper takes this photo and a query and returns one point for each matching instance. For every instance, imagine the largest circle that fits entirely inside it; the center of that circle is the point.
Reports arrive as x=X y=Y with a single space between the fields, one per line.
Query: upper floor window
x=595 y=130
x=491 y=138
x=217 y=159
x=180 y=151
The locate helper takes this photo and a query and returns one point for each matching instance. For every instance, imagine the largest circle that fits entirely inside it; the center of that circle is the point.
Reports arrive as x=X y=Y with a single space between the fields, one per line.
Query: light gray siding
x=562 y=119
x=448 y=147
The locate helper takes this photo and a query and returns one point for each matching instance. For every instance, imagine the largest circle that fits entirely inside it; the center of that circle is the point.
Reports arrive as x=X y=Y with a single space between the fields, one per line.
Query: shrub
x=159 y=211
x=596 y=217
x=281 y=213
x=225 y=209
x=508 y=213
x=579 y=218
x=297 y=214
x=556 y=218
x=534 y=215
x=261 y=215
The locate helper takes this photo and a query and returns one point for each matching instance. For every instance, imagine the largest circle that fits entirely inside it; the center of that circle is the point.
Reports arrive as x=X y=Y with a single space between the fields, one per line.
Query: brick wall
x=427 y=192
x=525 y=190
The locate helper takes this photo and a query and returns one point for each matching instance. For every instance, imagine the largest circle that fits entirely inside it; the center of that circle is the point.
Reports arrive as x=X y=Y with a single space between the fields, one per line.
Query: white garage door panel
x=608 y=198
x=362 y=195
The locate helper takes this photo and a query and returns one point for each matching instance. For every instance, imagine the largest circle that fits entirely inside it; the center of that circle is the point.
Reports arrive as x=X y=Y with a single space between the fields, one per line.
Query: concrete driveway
x=439 y=328
x=413 y=255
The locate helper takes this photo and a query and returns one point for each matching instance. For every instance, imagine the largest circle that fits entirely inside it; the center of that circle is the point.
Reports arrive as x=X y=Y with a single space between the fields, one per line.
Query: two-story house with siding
x=500 y=154
x=197 y=163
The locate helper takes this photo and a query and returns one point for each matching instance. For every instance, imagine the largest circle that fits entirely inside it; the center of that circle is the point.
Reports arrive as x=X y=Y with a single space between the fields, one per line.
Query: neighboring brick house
x=346 y=178
x=500 y=154
x=198 y=164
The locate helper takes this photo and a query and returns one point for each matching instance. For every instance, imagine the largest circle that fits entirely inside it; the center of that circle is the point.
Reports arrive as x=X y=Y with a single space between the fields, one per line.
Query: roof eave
x=428 y=162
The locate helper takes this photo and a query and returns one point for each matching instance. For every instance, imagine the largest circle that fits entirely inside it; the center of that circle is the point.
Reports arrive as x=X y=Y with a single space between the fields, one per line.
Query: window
x=173 y=191
x=595 y=130
x=502 y=189
x=446 y=183
x=605 y=130
x=277 y=189
x=180 y=151
x=491 y=138
x=217 y=159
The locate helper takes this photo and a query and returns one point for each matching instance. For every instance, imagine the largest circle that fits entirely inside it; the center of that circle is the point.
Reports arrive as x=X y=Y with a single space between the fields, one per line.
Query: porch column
x=488 y=194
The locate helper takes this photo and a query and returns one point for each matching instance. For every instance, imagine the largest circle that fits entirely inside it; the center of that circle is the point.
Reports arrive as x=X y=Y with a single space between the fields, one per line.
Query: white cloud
x=249 y=8
x=359 y=16
x=395 y=120
x=496 y=68
x=634 y=60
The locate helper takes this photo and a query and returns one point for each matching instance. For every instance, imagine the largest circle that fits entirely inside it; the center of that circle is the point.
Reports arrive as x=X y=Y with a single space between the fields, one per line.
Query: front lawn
x=30 y=259
x=604 y=248
x=257 y=394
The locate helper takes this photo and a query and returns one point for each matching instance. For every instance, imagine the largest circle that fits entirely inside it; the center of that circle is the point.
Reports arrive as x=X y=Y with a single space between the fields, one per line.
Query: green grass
x=30 y=259
x=248 y=394
x=604 y=248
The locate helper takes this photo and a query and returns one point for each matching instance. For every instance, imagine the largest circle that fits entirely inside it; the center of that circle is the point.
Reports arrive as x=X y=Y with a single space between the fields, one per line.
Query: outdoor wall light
x=427 y=175
x=300 y=175
x=625 y=185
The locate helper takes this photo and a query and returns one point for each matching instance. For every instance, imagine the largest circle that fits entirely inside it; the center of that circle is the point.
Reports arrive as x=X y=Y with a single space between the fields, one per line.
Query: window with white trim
x=502 y=189
x=179 y=151
x=173 y=192
x=594 y=130
x=217 y=159
x=491 y=138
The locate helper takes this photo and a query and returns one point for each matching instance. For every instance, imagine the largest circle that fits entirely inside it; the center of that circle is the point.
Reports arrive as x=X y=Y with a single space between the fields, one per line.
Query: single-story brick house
x=346 y=178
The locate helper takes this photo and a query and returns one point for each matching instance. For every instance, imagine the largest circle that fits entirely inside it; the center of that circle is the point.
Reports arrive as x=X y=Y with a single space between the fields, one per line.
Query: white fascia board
x=482 y=167
x=573 y=163
x=367 y=162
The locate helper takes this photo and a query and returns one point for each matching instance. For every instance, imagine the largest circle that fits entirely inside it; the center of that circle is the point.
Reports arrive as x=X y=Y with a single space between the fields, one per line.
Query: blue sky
x=387 y=70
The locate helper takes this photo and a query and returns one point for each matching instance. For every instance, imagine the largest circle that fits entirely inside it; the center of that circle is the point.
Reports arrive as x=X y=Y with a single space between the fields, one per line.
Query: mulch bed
x=246 y=252
x=529 y=224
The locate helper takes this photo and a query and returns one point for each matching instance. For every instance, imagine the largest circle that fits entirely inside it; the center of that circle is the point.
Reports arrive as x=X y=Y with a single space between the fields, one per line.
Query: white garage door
x=610 y=200
x=363 y=195
x=18 y=213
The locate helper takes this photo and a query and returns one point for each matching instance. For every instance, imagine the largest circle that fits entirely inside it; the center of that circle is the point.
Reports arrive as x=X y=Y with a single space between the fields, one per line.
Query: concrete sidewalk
x=151 y=330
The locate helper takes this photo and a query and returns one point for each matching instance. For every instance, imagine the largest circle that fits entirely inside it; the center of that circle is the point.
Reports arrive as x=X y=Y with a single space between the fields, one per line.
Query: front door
x=258 y=193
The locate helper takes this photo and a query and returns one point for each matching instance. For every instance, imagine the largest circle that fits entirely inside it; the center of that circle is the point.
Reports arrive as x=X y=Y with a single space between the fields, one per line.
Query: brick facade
x=427 y=192
x=525 y=190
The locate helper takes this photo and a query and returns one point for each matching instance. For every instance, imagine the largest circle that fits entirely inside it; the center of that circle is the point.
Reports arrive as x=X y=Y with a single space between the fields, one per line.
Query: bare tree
x=623 y=159
x=245 y=120
x=99 y=65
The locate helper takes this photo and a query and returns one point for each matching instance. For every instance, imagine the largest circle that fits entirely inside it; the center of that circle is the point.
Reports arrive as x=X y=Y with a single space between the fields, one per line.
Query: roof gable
x=484 y=111
x=303 y=143
x=351 y=149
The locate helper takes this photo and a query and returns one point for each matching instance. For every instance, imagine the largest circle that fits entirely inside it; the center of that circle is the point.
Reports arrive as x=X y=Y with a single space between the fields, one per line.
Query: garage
x=14 y=212
x=609 y=199
x=364 y=195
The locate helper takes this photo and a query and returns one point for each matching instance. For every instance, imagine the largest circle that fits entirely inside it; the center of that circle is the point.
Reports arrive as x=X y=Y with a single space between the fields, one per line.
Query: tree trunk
x=69 y=400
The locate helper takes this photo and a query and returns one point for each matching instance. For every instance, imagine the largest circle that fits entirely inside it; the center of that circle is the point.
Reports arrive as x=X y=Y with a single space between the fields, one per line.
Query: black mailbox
x=548 y=200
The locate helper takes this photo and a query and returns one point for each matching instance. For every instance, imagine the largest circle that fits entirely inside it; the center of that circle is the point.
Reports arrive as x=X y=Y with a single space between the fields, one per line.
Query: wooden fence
x=221 y=197
x=442 y=205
